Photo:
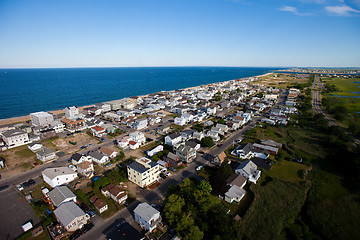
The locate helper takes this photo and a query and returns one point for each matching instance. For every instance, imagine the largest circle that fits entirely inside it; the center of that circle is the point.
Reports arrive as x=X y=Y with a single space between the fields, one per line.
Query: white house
x=124 y=142
x=223 y=127
x=198 y=135
x=46 y=154
x=58 y=176
x=72 y=112
x=34 y=147
x=15 y=137
x=41 y=119
x=138 y=137
x=134 y=145
x=235 y=193
x=147 y=216
x=173 y=139
x=248 y=169
x=58 y=126
x=99 y=158
x=155 y=150
x=140 y=124
x=71 y=216
x=98 y=131
x=85 y=169
x=213 y=135
x=180 y=121
x=244 y=151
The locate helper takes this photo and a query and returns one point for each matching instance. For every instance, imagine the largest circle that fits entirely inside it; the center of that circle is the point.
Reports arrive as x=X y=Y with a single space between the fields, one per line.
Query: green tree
x=207 y=142
x=194 y=233
x=218 y=98
x=221 y=121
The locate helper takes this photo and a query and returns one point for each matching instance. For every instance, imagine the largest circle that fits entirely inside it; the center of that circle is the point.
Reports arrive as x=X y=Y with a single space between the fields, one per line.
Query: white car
x=20 y=187
x=166 y=173
x=199 y=168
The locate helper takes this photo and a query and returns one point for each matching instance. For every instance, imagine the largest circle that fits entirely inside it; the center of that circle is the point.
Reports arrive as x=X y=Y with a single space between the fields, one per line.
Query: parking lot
x=14 y=212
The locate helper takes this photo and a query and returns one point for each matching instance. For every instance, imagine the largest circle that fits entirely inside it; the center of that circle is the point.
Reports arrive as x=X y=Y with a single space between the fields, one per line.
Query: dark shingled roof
x=260 y=163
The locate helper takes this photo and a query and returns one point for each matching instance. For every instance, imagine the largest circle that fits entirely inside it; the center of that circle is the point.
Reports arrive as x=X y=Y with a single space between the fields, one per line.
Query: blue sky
x=179 y=33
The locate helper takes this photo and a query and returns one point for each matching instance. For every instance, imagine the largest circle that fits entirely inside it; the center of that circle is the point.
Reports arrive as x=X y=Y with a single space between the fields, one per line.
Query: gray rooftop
x=96 y=155
x=67 y=212
x=13 y=132
x=138 y=167
x=55 y=172
x=145 y=211
x=45 y=151
x=60 y=194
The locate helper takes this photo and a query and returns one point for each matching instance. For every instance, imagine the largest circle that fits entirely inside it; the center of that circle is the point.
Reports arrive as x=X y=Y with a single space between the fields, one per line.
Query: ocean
x=24 y=91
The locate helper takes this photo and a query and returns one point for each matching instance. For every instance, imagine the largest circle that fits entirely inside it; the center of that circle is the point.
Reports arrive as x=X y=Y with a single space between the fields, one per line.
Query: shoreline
x=25 y=118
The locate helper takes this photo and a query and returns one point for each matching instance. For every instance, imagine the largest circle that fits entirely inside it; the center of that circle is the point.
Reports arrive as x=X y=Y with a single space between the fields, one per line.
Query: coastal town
x=111 y=165
x=151 y=138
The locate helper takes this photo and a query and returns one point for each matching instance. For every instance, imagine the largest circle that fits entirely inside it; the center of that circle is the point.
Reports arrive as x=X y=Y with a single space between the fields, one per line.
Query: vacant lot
x=63 y=144
x=18 y=159
x=282 y=80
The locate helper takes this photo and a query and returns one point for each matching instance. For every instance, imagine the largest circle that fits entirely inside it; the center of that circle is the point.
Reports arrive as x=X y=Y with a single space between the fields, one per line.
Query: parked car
x=87 y=227
x=4 y=187
x=75 y=235
x=84 y=207
x=25 y=184
x=199 y=168
x=91 y=213
x=31 y=182
x=35 y=164
x=19 y=187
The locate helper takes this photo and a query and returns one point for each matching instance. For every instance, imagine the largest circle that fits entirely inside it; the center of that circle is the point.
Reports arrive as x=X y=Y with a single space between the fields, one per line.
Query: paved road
x=317 y=108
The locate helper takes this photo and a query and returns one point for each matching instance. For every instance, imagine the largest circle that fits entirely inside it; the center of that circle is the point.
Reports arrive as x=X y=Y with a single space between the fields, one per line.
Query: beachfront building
x=105 y=107
x=72 y=112
x=14 y=138
x=58 y=126
x=73 y=126
x=143 y=172
x=42 y=119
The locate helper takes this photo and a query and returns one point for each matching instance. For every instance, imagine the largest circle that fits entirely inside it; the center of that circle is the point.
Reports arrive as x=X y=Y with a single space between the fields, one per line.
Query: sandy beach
x=62 y=111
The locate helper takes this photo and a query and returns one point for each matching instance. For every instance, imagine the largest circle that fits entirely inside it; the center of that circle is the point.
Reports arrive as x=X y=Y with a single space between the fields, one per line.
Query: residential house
x=58 y=176
x=155 y=150
x=98 y=131
x=47 y=133
x=15 y=137
x=134 y=145
x=72 y=113
x=248 y=169
x=244 y=151
x=77 y=158
x=218 y=130
x=58 y=126
x=71 y=216
x=99 y=203
x=235 y=193
x=60 y=195
x=193 y=144
x=86 y=169
x=213 y=135
x=271 y=150
x=222 y=127
x=236 y=180
x=241 y=120
x=143 y=172
x=180 y=121
x=99 y=158
x=41 y=119
x=34 y=147
x=138 y=137
x=187 y=134
x=116 y=193
x=186 y=153
x=124 y=142
x=154 y=120
x=173 y=159
x=271 y=143
x=173 y=139
x=147 y=216
x=105 y=107
x=164 y=130
x=46 y=154
x=140 y=124
x=219 y=159
x=74 y=125
x=109 y=151
x=198 y=135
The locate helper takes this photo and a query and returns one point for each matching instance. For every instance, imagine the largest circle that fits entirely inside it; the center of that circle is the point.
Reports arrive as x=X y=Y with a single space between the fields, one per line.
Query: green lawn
x=287 y=170
x=24 y=151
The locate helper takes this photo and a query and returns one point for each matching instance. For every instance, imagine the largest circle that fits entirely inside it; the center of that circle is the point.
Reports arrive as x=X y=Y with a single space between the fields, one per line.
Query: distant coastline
x=200 y=76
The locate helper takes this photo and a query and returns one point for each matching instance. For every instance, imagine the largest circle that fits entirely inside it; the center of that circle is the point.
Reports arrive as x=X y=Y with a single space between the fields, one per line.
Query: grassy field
x=275 y=204
x=282 y=80
x=345 y=85
x=287 y=171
